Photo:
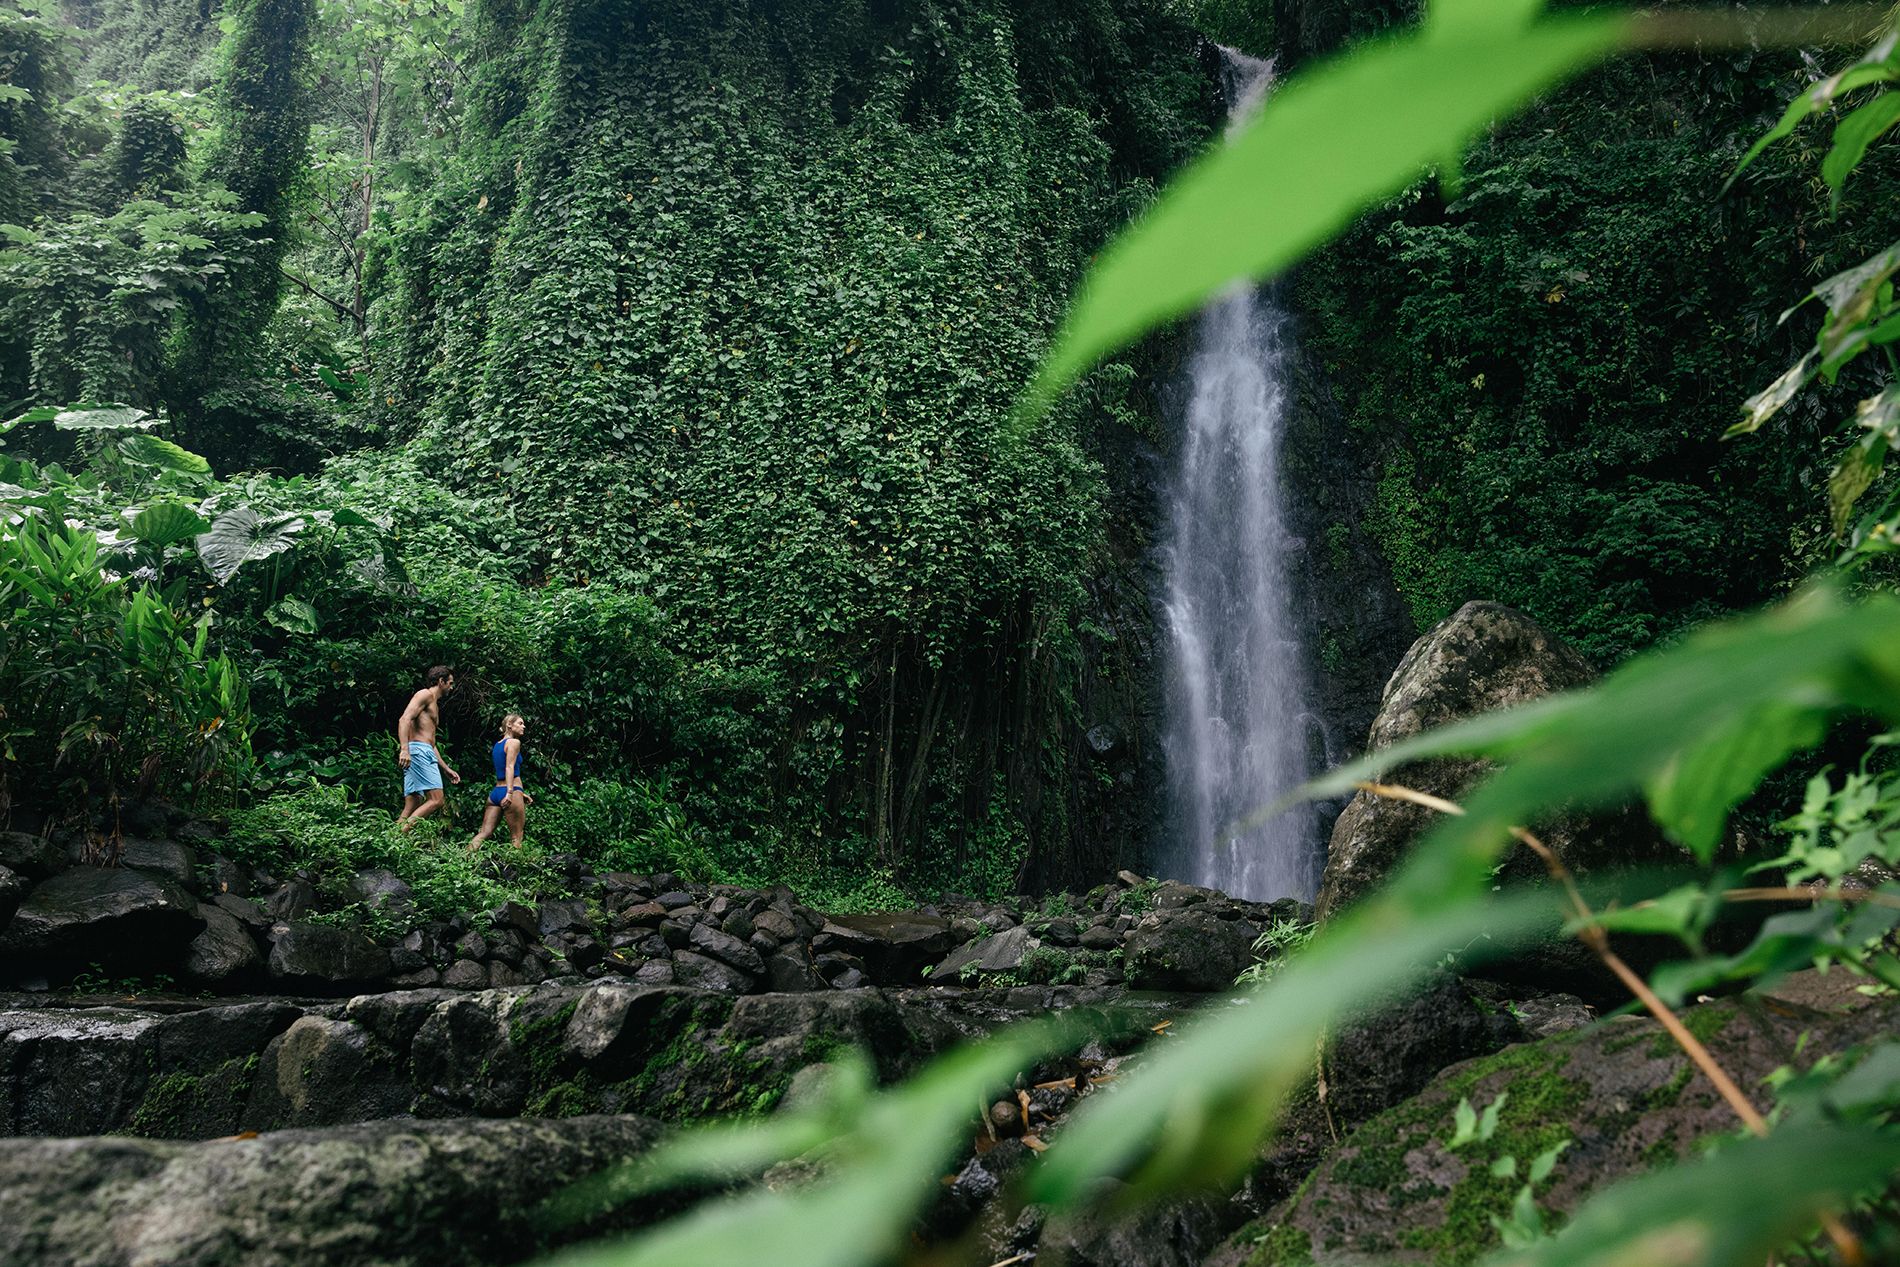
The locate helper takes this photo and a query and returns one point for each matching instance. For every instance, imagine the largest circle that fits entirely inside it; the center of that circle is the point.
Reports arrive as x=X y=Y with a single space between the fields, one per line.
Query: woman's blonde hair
x=511 y=717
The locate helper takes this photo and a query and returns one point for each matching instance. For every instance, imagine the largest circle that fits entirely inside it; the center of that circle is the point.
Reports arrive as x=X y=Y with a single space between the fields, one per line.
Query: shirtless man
x=416 y=753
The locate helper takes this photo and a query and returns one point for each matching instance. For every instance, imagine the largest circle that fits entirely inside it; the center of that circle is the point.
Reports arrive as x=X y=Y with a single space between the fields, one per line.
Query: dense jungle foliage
x=654 y=366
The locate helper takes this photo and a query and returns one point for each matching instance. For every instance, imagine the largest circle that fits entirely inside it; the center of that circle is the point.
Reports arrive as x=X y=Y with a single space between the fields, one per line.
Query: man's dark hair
x=436 y=674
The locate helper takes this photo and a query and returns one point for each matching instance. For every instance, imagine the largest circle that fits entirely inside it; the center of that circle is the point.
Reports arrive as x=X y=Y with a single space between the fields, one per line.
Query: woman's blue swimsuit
x=502 y=782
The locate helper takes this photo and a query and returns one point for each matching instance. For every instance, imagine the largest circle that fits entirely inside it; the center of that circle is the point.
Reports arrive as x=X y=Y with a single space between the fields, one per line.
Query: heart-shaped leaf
x=104 y=418
x=295 y=615
x=166 y=523
x=151 y=451
x=242 y=536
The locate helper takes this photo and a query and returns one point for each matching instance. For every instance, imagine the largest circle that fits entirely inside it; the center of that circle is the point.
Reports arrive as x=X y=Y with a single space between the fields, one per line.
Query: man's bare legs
x=431 y=802
x=410 y=803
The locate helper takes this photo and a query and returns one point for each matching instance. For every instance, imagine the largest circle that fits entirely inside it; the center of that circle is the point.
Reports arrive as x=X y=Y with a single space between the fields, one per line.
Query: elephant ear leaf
x=151 y=451
x=167 y=523
x=242 y=536
x=104 y=418
x=295 y=615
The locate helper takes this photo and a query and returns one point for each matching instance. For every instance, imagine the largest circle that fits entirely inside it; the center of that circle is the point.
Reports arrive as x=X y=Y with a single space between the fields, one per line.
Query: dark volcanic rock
x=81 y=1071
x=1169 y=1234
x=726 y=948
x=121 y=919
x=325 y=959
x=1390 y=1055
x=1188 y=948
x=161 y=857
x=707 y=973
x=401 y=1192
x=34 y=857
x=894 y=948
x=1003 y=952
x=224 y=951
x=13 y=888
x=321 y=1072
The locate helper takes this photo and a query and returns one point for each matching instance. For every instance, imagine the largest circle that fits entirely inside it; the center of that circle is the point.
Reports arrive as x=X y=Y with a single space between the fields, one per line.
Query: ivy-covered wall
x=731 y=301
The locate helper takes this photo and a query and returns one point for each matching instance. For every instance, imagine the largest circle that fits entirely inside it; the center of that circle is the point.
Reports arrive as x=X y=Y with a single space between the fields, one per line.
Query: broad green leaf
x=1488 y=1120
x=1331 y=142
x=167 y=523
x=1853 y=475
x=1771 y=399
x=104 y=418
x=1464 y=1125
x=1737 y=1206
x=1853 y=135
x=1693 y=792
x=1880 y=65
x=1678 y=912
x=294 y=615
x=42 y=413
x=1659 y=723
x=241 y=536
x=1546 y=1161
x=152 y=451
x=1504 y=1168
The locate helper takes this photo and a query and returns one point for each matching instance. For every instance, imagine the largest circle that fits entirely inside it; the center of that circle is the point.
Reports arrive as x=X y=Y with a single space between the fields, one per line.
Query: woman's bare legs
x=516 y=810
x=490 y=816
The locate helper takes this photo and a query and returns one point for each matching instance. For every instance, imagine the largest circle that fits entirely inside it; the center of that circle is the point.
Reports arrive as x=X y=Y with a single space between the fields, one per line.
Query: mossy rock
x=1622 y=1095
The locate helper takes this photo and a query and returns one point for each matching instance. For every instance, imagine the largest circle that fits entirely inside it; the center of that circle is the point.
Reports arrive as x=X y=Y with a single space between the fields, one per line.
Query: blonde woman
x=507 y=798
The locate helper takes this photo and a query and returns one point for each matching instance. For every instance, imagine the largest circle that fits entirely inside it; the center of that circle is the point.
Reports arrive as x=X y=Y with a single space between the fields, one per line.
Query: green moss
x=193 y=1105
x=564 y=1099
x=1281 y=1246
x=1537 y=1115
x=1704 y=1022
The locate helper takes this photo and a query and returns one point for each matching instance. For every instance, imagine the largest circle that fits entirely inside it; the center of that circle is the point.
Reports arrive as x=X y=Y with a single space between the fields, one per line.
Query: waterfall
x=1236 y=729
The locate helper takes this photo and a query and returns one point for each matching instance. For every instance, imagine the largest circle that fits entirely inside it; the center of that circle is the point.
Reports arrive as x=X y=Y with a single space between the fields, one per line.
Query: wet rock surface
x=399 y=1192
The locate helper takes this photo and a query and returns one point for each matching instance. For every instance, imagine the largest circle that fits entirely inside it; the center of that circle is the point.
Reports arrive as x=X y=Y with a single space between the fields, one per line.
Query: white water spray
x=1237 y=724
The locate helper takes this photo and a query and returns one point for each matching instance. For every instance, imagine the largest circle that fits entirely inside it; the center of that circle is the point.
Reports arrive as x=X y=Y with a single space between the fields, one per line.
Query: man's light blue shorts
x=425 y=774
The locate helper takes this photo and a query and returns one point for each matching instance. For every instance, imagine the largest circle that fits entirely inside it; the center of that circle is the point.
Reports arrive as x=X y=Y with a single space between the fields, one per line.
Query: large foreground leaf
x=242 y=536
x=163 y=454
x=1338 y=138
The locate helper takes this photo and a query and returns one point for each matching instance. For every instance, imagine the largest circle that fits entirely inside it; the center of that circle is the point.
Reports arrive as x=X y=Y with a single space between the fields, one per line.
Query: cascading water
x=1236 y=735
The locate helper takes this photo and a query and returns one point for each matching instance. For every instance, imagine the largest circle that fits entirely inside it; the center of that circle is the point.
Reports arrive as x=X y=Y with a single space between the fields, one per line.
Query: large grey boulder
x=81 y=1071
x=1001 y=952
x=123 y=920
x=399 y=1192
x=1483 y=658
x=168 y=858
